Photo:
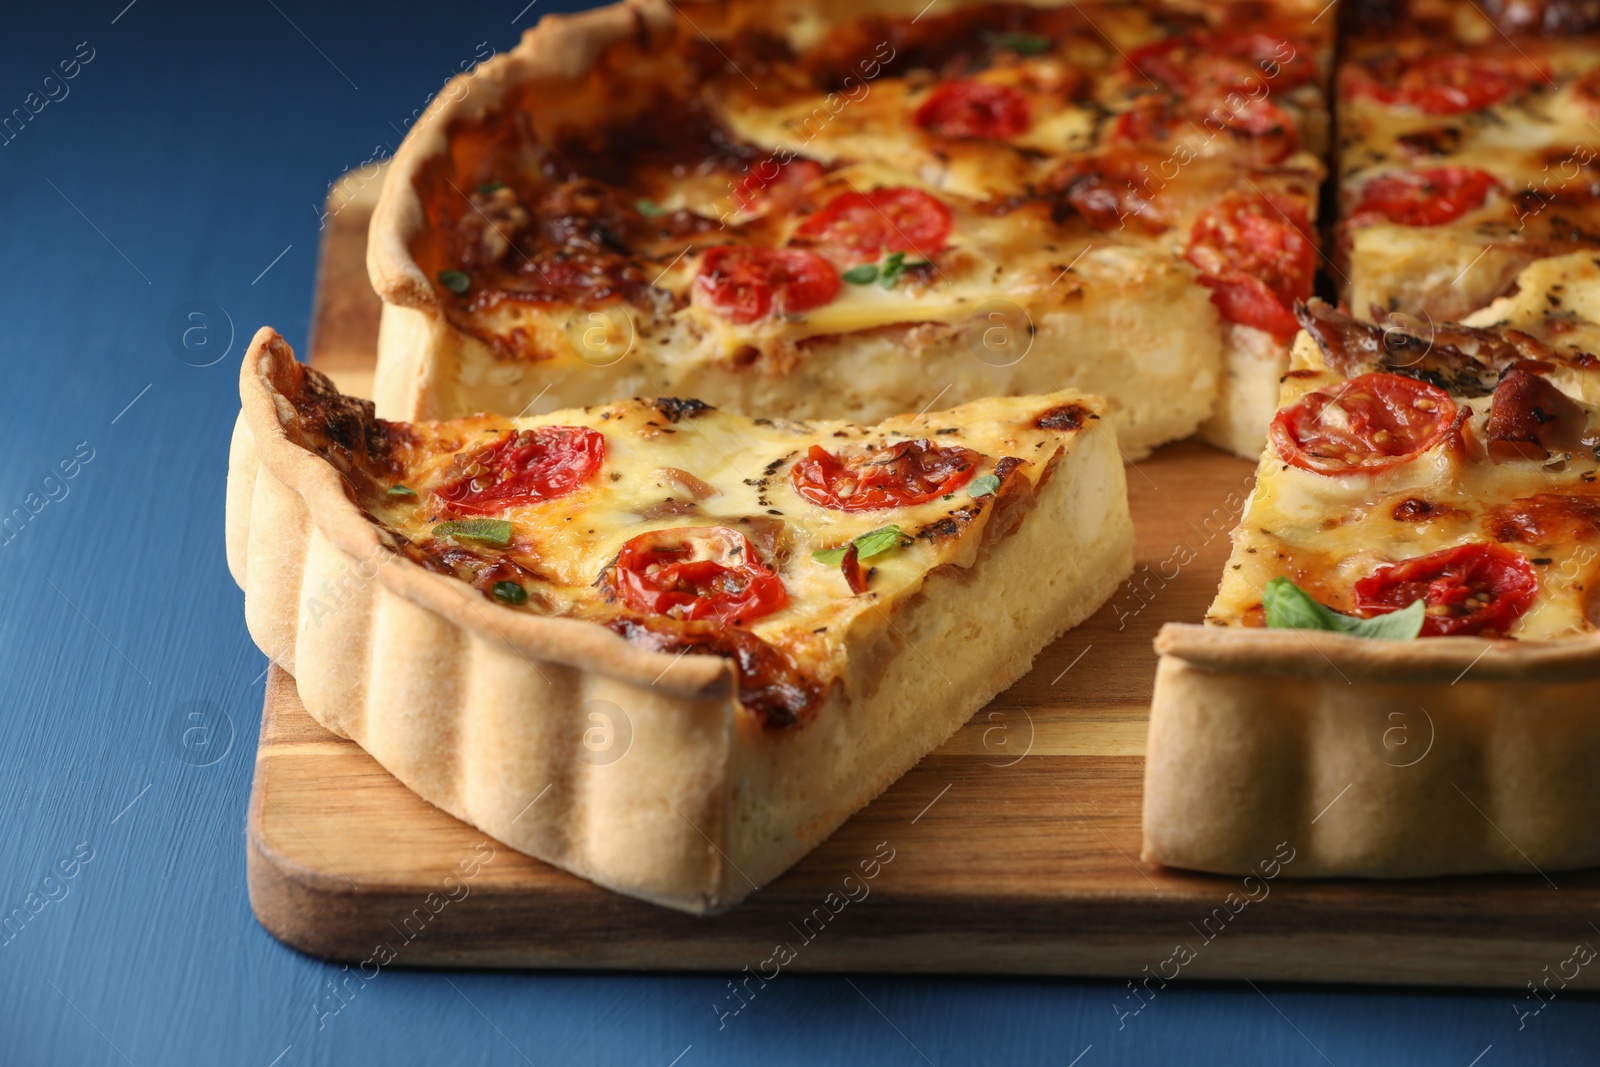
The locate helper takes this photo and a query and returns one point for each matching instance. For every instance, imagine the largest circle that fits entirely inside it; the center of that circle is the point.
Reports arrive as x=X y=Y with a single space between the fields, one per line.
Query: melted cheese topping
x=1327 y=532
x=710 y=468
x=1004 y=242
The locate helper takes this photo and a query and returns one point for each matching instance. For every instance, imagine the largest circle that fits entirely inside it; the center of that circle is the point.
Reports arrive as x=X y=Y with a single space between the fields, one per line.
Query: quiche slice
x=801 y=210
x=1468 y=150
x=665 y=647
x=1433 y=500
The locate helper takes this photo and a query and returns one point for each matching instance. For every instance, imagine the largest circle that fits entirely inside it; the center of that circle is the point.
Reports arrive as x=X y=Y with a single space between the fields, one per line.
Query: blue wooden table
x=162 y=171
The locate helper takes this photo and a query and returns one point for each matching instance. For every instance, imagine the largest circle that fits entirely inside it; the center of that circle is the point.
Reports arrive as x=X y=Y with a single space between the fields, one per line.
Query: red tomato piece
x=855 y=228
x=522 y=467
x=1204 y=113
x=1254 y=255
x=1240 y=62
x=1112 y=189
x=975 y=109
x=1429 y=197
x=891 y=476
x=1448 y=83
x=697 y=572
x=1469 y=589
x=1370 y=423
x=770 y=184
x=746 y=283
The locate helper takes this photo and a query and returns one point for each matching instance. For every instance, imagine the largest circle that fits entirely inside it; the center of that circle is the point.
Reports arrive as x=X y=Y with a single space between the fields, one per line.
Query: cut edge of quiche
x=534 y=630
x=1436 y=755
x=1137 y=329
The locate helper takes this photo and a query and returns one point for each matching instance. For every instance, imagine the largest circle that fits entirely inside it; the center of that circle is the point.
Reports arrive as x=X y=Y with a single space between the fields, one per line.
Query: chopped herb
x=401 y=490
x=509 y=593
x=872 y=543
x=985 y=486
x=489 y=188
x=1289 y=607
x=454 y=280
x=490 y=531
x=1027 y=44
x=865 y=274
x=649 y=208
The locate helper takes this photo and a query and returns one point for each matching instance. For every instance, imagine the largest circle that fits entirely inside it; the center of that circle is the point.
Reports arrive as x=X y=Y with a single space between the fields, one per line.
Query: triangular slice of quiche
x=663 y=646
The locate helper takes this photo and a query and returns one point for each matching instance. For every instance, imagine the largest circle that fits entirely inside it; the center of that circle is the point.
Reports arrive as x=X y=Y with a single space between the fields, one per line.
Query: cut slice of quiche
x=665 y=647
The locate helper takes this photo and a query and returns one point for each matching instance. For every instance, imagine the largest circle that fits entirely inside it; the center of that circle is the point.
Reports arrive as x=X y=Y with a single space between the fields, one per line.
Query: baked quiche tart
x=1400 y=671
x=822 y=210
x=1468 y=140
x=663 y=646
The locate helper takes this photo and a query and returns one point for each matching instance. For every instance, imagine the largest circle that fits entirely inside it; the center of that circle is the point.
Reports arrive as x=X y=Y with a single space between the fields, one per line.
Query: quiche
x=798 y=210
x=1467 y=150
x=663 y=646
x=1440 y=494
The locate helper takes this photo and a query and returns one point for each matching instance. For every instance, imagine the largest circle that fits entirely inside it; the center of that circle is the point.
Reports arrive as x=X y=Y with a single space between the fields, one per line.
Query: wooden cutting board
x=1014 y=848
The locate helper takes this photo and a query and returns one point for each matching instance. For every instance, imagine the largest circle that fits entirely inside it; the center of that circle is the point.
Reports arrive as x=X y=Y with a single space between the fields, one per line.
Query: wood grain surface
x=1011 y=849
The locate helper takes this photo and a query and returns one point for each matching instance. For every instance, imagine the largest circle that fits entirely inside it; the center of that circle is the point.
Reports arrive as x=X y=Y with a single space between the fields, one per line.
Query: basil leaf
x=894 y=265
x=401 y=490
x=1402 y=625
x=1289 y=607
x=487 y=188
x=495 y=532
x=649 y=208
x=1027 y=44
x=985 y=486
x=456 y=281
x=872 y=543
x=510 y=593
x=865 y=274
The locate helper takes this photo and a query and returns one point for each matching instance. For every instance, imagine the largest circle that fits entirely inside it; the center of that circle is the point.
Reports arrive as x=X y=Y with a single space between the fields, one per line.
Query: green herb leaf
x=401 y=490
x=1289 y=607
x=649 y=208
x=488 y=188
x=872 y=543
x=985 y=486
x=1027 y=44
x=490 y=531
x=510 y=593
x=865 y=274
x=894 y=265
x=454 y=280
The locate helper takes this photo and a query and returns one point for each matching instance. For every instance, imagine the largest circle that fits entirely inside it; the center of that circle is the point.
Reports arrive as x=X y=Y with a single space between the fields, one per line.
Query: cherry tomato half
x=1469 y=589
x=855 y=227
x=697 y=572
x=1198 y=116
x=1370 y=423
x=1443 y=84
x=1431 y=196
x=746 y=283
x=522 y=467
x=975 y=109
x=1240 y=62
x=894 y=475
x=1254 y=255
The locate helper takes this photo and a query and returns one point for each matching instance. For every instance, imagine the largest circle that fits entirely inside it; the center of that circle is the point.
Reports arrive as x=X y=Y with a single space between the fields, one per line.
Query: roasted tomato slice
x=1469 y=589
x=770 y=184
x=1370 y=423
x=745 y=283
x=522 y=467
x=1442 y=84
x=1237 y=62
x=975 y=109
x=1110 y=190
x=855 y=227
x=894 y=475
x=1254 y=255
x=1432 y=196
x=696 y=572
